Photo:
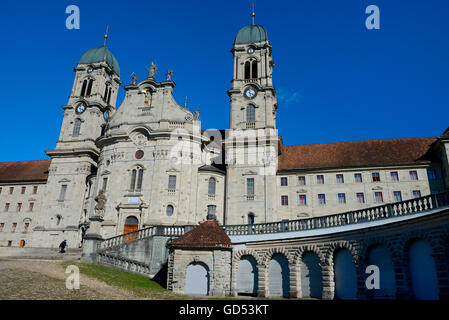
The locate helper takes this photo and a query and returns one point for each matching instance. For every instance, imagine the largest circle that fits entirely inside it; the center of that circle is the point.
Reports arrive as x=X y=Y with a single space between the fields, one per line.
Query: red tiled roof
x=355 y=153
x=24 y=171
x=207 y=235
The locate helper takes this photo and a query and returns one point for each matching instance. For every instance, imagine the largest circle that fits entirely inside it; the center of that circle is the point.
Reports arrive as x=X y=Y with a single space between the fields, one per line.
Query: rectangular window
x=413 y=175
x=340 y=178
x=2 y=225
x=432 y=173
x=397 y=196
x=302 y=180
x=376 y=177
x=11 y=190
x=105 y=184
x=250 y=187
x=62 y=193
x=6 y=207
x=322 y=199
x=19 y=207
x=14 y=226
x=320 y=179
x=394 y=176
x=284 y=181
x=358 y=177
x=378 y=197
x=284 y=200
x=34 y=189
x=341 y=198
x=27 y=224
x=360 y=197
x=31 y=206
x=23 y=190
x=416 y=194
x=302 y=200
x=172 y=183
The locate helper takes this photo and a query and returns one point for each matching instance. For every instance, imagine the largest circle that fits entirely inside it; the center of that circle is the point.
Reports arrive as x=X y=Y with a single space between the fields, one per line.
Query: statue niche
x=100 y=207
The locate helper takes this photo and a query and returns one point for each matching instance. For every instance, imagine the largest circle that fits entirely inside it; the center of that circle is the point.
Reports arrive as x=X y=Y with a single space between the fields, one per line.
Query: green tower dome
x=250 y=34
x=101 y=54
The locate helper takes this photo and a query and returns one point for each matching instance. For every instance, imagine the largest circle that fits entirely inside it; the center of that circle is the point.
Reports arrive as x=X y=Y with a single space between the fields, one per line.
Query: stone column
x=328 y=282
x=262 y=290
x=295 y=281
x=93 y=239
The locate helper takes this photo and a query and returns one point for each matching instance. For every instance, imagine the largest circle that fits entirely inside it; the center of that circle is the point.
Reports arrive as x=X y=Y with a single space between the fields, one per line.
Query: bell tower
x=92 y=100
x=251 y=145
x=252 y=95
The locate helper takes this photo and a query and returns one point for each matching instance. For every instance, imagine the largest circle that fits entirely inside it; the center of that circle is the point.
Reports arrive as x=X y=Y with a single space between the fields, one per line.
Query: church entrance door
x=131 y=225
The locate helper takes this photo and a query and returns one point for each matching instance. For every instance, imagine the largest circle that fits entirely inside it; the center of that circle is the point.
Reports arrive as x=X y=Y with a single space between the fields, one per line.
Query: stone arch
x=235 y=265
x=308 y=248
x=247 y=252
x=333 y=247
x=278 y=250
x=309 y=272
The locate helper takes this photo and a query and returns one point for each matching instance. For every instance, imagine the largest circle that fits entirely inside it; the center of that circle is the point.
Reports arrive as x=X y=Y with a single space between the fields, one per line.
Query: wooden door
x=131 y=225
x=22 y=243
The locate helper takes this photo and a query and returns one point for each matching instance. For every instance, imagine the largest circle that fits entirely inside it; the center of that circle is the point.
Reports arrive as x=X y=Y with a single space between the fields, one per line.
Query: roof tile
x=24 y=171
x=207 y=235
x=355 y=153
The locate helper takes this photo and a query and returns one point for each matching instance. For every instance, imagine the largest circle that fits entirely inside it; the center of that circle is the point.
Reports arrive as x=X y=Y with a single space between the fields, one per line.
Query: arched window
x=83 y=89
x=254 y=69
x=170 y=210
x=250 y=113
x=89 y=87
x=212 y=184
x=77 y=127
x=136 y=176
x=247 y=70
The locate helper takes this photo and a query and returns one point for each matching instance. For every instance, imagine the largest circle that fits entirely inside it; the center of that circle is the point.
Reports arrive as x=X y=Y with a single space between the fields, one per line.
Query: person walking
x=62 y=246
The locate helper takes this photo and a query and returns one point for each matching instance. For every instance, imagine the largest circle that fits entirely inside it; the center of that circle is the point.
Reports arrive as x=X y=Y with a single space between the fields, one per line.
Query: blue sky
x=335 y=80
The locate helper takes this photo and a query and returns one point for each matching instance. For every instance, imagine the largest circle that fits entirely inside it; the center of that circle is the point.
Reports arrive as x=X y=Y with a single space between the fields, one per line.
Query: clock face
x=80 y=108
x=251 y=50
x=90 y=70
x=250 y=93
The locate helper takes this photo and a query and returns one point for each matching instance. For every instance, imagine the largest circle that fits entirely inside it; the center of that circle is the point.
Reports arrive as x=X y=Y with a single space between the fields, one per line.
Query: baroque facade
x=148 y=162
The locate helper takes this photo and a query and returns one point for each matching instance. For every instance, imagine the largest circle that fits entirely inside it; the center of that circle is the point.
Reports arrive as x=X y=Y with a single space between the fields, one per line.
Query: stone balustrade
x=390 y=210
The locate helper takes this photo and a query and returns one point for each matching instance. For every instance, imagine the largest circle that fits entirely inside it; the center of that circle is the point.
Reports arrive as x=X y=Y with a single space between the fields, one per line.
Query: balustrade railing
x=408 y=207
x=169 y=231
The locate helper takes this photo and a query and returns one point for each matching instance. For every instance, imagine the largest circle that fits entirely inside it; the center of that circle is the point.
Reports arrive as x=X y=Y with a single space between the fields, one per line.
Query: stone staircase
x=142 y=252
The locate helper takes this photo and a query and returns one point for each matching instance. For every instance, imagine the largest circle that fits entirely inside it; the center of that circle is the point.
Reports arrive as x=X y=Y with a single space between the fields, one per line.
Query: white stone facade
x=154 y=163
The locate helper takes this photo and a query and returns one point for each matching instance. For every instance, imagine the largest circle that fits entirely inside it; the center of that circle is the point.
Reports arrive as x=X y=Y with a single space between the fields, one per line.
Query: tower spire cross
x=106 y=36
x=253 y=14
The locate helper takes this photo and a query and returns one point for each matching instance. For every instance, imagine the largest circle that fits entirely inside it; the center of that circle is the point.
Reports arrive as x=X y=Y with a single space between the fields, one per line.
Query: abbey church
x=147 y=161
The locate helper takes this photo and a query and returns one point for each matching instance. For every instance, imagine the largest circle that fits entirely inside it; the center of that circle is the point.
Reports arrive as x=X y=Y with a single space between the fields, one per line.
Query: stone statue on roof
x=152 y=71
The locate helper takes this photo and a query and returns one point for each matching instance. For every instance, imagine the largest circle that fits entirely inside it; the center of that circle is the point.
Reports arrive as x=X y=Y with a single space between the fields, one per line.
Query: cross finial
x=253 y=14
x=106 y=36
x=185 y=103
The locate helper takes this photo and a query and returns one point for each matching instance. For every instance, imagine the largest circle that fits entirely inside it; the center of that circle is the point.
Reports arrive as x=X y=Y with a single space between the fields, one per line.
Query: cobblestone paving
x=27 y=279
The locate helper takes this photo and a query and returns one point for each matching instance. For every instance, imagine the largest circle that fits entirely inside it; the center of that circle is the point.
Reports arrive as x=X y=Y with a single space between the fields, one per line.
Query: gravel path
x=40 y=279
